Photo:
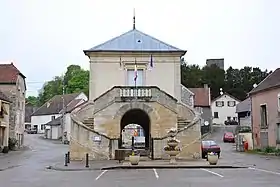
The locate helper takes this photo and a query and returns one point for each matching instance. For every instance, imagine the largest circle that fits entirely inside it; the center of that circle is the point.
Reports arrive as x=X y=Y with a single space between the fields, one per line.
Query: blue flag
x=151 y=61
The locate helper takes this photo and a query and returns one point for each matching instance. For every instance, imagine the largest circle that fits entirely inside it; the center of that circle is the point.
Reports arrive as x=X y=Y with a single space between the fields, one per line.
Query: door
x=264 y=139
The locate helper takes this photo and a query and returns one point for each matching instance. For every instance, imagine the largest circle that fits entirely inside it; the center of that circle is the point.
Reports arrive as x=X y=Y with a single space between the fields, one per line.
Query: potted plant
x=5 y=149
x=212 y=158
x=134 y=159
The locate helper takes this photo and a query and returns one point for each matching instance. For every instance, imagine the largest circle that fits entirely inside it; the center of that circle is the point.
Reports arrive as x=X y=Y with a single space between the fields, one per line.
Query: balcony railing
x=129 y=93
x=140 y=92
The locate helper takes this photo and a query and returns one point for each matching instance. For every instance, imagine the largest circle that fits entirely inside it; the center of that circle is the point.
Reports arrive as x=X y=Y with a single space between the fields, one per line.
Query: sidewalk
x=80 y=165
x=11 y=159
x=113 y=164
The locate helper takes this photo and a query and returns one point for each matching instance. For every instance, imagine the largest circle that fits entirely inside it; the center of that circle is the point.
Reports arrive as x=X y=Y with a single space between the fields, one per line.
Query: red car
x=229 y=137
x=209 y=146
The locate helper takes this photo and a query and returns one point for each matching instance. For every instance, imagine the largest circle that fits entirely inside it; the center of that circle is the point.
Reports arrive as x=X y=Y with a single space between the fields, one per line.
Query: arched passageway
x=136 y=120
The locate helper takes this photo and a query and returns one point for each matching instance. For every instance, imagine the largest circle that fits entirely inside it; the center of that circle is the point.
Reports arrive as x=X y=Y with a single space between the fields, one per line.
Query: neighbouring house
x=4 y=120
x=12 y=84
x=135 y=79
x=53 y=109
x=224 y=109
x=265 y=98
x=29 y=109
x=53 y=128
x=202 y=103
x=243 y=110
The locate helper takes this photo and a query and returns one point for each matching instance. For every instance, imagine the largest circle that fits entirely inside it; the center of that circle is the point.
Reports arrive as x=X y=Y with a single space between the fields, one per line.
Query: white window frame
x=222 y=102
x=264 y=104
x=234 y=103
x=132 y=69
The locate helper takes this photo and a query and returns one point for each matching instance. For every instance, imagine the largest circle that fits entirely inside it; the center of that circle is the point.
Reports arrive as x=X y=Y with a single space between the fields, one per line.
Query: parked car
x=231 y=122
x=229 y=137
x=32 y=131
x=208 y=146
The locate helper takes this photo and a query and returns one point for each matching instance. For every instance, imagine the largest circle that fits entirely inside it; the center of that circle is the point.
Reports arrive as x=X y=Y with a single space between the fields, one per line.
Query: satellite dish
x=255 y=85
x=206 y=123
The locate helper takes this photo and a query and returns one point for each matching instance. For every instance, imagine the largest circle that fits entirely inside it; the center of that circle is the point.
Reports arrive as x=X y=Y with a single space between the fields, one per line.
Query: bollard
x=68 y=157
x=132 y=143
x=66 y=160
x=87 y=161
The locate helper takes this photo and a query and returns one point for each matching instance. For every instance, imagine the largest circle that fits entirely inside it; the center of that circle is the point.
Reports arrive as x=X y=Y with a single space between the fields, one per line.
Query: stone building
x=12 y=84
x=4 y=120
x=156 y=99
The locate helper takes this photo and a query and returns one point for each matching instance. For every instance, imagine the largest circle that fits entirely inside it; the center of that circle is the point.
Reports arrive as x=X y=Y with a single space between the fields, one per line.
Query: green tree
x=75 y=80
x=191 y=75
x=214 y=77
x=32 y=100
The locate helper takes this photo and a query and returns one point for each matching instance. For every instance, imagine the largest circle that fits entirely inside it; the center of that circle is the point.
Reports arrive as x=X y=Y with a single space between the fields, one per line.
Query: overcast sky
x=43 y=37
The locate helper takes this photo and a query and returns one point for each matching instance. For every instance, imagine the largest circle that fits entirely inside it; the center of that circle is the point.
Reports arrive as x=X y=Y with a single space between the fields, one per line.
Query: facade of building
x=243 y=110
x=224 y=109
x=265 y=100
x=54 y=130
x=29 y=110
x=52 y=109
x=202 y=103
x=4 y=120
x=141 y=85
x=12 y=84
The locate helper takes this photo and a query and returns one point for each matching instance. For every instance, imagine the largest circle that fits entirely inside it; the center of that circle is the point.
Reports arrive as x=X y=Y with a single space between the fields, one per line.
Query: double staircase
x=89 y=122
x=182 y=123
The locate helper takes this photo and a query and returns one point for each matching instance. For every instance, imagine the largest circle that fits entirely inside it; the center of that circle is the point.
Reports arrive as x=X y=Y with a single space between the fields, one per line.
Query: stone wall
x=187 y=97
x=185 y=112
x=107 y=121
x=189 y=137
x=84 y=140
x=16 y=93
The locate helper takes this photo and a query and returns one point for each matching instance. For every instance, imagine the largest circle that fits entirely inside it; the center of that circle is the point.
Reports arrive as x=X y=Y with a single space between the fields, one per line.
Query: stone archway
x=138 y=117
x=135 y=113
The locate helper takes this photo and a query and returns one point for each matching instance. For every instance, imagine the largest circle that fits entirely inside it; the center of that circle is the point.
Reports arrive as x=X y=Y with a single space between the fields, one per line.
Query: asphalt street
x=27 y=169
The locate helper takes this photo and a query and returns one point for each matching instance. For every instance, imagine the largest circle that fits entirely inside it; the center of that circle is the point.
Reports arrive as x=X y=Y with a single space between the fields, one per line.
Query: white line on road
x=156 y=174
x=103 y=172
x=212 y=172
x=263 y=170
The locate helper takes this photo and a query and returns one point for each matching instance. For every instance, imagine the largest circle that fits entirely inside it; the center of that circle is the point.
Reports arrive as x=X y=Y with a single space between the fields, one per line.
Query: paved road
x=231 y=156
x=29 y=171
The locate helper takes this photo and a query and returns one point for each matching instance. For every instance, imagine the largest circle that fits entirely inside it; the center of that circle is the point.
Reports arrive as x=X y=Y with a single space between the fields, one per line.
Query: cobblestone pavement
x=27 y=169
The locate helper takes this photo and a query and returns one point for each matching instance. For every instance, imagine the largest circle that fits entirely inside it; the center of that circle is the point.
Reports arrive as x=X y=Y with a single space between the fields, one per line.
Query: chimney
x=205 y=85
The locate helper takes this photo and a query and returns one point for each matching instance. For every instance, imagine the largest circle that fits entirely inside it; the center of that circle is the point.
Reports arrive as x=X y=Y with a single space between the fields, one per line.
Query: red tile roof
x=9 y=73
x=201 y=97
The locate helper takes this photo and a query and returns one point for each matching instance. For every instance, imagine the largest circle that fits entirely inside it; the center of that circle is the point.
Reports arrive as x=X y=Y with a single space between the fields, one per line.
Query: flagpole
x=135 y=79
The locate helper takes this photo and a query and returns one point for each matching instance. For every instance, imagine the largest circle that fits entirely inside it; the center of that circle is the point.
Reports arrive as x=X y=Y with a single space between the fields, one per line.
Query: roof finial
x=133 y=18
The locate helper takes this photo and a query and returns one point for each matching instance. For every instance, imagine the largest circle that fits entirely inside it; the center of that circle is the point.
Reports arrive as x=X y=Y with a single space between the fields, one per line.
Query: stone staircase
x=89 y=122
x=182 y=123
